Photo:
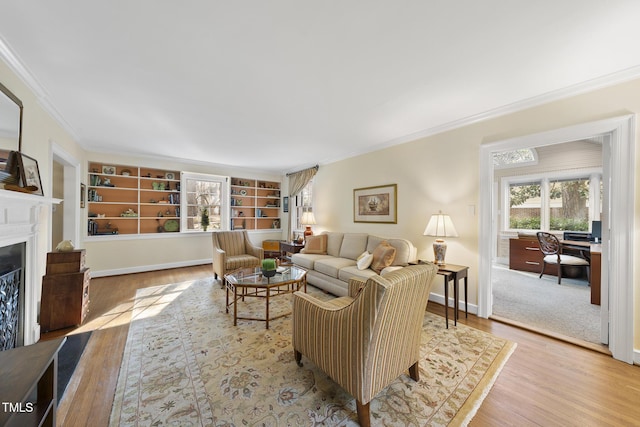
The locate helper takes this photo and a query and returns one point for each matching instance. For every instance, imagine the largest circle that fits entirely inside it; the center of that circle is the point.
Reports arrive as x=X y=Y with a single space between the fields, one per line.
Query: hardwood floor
x=546 y=382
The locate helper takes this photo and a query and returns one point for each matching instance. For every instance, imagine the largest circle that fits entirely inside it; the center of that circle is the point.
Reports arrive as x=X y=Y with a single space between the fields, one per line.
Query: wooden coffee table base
x=240 y=291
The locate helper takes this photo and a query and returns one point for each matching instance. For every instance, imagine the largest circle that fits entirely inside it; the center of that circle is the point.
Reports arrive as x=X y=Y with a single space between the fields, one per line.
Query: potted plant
x=269 y=267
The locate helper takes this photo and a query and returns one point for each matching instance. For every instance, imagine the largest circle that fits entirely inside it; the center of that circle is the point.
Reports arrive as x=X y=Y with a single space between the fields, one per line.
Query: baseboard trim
x=151 y=267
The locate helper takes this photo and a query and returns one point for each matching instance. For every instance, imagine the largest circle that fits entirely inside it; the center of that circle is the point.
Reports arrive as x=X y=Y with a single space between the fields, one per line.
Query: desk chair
x=550 y=247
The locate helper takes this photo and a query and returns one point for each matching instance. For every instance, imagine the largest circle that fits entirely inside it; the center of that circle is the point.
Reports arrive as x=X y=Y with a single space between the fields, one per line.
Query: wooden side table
x=453 y=273
x=290 y=248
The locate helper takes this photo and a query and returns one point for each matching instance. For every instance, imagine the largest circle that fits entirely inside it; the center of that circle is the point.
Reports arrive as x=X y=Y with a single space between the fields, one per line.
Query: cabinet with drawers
x=525 y=255
x=65 y=290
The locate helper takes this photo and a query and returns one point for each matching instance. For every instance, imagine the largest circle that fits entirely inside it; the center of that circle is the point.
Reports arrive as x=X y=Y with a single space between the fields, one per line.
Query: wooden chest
x=65 y=300
x=65 y=262
x=65 y=291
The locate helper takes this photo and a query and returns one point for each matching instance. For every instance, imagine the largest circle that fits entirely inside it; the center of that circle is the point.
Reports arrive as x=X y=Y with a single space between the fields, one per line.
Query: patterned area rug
x=186 y=364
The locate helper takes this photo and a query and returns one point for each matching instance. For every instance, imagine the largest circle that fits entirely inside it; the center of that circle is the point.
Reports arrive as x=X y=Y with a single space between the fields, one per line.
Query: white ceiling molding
x=546 y=98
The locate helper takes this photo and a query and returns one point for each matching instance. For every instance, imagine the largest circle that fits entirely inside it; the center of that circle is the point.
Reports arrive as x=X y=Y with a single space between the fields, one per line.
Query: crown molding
x=545 y=98
x=42 y=97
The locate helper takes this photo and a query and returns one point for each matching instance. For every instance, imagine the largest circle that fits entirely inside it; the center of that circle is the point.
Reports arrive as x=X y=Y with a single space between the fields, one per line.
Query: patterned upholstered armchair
x=232 y=250
x=366 y=340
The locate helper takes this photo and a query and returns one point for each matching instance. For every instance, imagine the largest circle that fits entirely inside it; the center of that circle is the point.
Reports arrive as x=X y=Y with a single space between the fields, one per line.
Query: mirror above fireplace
x=10 y=125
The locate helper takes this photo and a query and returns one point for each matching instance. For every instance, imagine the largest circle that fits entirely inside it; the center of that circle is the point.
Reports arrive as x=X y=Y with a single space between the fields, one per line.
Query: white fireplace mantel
x=27 y=218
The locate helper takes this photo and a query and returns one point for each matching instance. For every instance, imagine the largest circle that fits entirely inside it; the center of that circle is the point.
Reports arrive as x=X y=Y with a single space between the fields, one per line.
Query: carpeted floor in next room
x=186 y=364
x=565 y=309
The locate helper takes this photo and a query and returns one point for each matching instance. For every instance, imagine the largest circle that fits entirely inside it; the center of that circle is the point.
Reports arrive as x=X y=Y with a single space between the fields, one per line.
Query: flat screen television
x=596 y=231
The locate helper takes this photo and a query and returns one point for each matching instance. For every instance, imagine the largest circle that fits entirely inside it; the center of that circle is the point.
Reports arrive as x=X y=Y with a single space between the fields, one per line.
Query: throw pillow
x=383 y=256
x=315 y=245
x=364 y=261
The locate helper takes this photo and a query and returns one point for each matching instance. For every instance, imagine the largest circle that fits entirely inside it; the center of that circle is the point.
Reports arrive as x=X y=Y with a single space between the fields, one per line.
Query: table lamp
x=308 y=220
x=440 y=225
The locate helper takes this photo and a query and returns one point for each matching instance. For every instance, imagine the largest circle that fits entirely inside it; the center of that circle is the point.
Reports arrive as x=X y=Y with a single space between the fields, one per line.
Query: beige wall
x=441 y=172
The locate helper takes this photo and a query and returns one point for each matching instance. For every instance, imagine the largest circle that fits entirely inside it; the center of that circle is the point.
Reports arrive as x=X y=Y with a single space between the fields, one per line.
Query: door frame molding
x=619 y=265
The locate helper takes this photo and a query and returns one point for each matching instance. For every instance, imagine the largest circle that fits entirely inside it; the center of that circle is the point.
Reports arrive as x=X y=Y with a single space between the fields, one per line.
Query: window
x=303 y=203
x=515 y=158
x=553 y=203
x=569 y=205
x=525 y=206
x=204 y=201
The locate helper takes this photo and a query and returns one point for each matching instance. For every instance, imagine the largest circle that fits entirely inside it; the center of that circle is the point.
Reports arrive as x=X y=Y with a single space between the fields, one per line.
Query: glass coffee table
x=250 y=283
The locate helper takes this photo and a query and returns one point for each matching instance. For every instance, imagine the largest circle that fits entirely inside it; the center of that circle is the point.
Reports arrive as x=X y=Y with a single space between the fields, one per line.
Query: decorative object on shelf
x=109 y=170
x=243 y=192
x=440 y=225
x=376 y=204
x=171 y=225
x=308 y=220
x=129 y=213
x=269 y=267
x=65 y=246
x=125 y=172
x=170 y=175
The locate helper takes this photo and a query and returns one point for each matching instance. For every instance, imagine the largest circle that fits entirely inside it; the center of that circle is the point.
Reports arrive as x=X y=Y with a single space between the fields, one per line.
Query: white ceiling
x=279 y=85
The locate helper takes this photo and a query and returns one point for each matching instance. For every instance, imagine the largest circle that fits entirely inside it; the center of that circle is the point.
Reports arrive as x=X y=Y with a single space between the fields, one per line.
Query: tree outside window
x=525 y=206
x=550 y=204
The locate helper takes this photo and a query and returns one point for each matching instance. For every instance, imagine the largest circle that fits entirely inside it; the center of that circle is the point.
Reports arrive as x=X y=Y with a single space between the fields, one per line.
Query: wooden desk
x=453 y=273
x=595 y=260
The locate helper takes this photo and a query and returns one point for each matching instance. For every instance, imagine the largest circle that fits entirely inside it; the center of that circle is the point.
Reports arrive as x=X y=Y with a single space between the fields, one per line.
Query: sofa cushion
x=307 y=260
x=334 y=242
x=348 y=273
x=364 y=261
x=404 y=249
x=383 y=256
x=353 y=244
x=332 y=265
x=315 y=245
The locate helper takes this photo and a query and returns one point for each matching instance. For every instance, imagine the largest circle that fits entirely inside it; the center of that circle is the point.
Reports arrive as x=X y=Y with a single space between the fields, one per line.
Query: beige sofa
x=332 y=263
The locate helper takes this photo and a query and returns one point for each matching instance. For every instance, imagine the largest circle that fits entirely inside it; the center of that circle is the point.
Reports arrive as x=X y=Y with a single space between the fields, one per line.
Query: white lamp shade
x=307 y=219
x=440 y=225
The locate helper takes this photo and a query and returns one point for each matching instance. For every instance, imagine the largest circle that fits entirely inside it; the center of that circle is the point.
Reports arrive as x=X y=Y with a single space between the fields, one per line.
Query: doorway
x=618 y=167
x=556 y=188
x=66 y=186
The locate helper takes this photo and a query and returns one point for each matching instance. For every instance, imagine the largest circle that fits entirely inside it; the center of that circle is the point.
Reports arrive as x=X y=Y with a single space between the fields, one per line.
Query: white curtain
x=297 y=181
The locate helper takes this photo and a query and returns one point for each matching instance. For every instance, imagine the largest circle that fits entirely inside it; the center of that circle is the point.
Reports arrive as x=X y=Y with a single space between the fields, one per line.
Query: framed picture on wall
x=29 y=174
x=285 y=204
x=376 y=204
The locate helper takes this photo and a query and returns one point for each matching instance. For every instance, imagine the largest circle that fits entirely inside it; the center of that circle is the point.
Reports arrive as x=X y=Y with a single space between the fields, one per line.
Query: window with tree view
x=569 y=205
x=554 y=204
x=525 y=206
x=204 y=202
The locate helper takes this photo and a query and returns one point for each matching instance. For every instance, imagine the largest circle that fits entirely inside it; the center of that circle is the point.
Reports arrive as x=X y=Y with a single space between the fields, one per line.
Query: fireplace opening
x=12 y=261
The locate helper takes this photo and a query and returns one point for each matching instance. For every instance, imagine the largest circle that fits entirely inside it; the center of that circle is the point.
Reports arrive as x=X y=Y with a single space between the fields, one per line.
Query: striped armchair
x=233 y=250
x=365 y=340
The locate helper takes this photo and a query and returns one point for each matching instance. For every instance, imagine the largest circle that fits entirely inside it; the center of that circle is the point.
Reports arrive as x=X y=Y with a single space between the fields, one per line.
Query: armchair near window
x=368 y=339
x=233 y=250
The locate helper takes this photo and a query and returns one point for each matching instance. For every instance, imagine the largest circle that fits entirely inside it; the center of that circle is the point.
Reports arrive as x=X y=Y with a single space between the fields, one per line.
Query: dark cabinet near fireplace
x=65 y=290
